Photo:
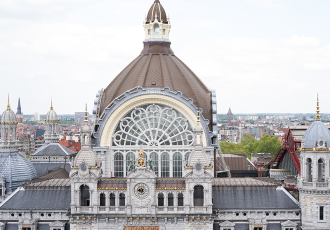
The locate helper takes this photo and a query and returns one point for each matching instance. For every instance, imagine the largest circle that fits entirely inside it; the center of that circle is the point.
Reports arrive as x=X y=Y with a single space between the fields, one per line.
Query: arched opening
x=177 y=165
x=180 y=199
x=112 y=199
x=198 y=195
x=84 y=195
x=160 y=199
x=121 y=199
x=309 y=170
x=119 y=165
x=165 y=165
x=102 y=199
x=170 y=199
x=156 y=29
x=130 y=162
x=320 y=171
x=154 y=162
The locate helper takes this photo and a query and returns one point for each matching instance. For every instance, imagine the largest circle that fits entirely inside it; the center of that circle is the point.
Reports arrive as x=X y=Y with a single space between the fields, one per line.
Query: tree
x=248 y=139
x=266 y=144
x=229 y=147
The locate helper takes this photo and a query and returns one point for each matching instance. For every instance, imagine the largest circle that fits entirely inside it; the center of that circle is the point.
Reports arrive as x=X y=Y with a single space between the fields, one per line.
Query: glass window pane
x=165 y=165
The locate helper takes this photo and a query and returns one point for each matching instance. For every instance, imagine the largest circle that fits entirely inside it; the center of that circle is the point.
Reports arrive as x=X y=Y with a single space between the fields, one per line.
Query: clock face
x=83 y=168
x=198 y=166
x=321 y=143
x=141 y=190
x=141 y=162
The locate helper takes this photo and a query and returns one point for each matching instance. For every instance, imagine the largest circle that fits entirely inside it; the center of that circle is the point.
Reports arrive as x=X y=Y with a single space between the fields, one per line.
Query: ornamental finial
x=317 y=118
x=86 y=116
x=8 y=105
x=198 y=117
x=51 y=103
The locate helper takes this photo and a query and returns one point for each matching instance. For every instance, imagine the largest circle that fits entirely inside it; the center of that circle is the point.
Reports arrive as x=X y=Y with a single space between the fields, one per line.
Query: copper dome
x=156 y=9
x=158 y=67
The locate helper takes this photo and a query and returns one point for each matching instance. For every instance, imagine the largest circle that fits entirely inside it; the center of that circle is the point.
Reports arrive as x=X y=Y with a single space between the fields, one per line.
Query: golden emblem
x=140 y=162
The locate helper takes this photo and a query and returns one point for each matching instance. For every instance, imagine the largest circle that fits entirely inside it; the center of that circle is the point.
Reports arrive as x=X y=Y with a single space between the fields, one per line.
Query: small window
x=160 y=199
x=26 y=228
x=163 y=31
x=180 y=199
x=156 y=30
x=112 y=199
x=102 y=199
x=288 y=228
x=170 y=199
x=321 y=212
x=121 y=199
x=257 y=228
x=149 y=32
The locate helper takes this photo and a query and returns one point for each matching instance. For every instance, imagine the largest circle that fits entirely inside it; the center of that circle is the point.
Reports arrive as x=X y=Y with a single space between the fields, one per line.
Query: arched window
x=165 y=165
x=320 y=170
x=119 y=165
x=170 y=199
x=130 y=162
x=160 y=199
x=84 y=195
x=186 y=157
x=180 y=199
x=112 y=199
x=177 y=165
x=309 y=170
x=156 y=30
x=154 y=162
x=121 y=199
x=102 y=199
x=198 y=195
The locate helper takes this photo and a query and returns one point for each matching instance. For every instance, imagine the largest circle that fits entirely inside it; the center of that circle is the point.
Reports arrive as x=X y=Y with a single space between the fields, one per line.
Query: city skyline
x=260 y=56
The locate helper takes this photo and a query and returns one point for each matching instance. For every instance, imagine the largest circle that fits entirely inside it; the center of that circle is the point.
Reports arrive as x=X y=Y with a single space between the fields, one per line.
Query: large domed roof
x=156 y=10
x=158 y=67
x=314 y=133
x=15 y=168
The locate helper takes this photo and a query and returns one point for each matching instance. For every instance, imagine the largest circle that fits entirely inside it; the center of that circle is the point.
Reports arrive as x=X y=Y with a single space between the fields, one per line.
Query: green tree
x=266 y=144
x=248 y=139
x=229 y=147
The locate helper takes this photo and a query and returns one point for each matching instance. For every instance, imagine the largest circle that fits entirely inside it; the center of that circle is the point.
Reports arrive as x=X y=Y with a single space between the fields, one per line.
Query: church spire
x=19 y=110
x=317 y=118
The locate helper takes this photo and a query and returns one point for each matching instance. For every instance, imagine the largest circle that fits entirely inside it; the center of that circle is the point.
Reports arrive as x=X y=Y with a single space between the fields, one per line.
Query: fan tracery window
x=164 y=134
x=153 y=125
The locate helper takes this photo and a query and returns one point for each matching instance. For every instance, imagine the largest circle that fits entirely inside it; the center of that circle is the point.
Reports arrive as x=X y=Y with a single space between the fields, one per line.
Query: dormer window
x=156 y=30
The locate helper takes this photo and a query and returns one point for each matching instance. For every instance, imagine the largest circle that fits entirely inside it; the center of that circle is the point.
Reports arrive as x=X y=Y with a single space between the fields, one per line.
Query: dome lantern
x=157 y=24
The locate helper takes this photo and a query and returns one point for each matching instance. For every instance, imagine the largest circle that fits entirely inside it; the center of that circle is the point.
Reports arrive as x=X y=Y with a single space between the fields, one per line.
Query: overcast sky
x=261 y=56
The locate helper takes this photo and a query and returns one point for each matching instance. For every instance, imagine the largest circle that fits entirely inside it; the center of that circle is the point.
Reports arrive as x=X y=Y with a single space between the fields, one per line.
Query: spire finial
x=51 y=103
x=317 y=118
x=198 y=116
x=8 y=105
x=86 y=116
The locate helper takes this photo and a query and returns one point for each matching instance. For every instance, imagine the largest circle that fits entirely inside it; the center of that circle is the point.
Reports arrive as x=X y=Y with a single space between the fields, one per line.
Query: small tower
x=230 y=116
x=199 y=175
x=85 y=174
x=156 y=24
x=51 y=126
x=314 y=181
x=8 y=143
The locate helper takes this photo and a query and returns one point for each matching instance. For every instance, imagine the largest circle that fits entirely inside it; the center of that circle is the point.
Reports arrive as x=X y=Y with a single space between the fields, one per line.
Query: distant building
x=230 y=116
x=36 y=116
x=70 y=144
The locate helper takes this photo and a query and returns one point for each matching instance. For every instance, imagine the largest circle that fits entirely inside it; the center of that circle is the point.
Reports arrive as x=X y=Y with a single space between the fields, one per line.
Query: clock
x=83 y=167
x=140 y=162
x=141 y=190
x=198 y=167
